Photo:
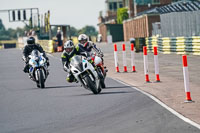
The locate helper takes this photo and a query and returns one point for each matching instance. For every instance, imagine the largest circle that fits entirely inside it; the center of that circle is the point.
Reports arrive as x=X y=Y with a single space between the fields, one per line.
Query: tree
x=122 y=14
x=74 y=31
x=2 y=27
x=88 y=30
x=10 y=33
x=3 y=32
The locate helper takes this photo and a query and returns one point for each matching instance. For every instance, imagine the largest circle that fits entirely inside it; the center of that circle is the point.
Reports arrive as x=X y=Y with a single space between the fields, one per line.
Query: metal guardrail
x=4 y=44
x=178 y=45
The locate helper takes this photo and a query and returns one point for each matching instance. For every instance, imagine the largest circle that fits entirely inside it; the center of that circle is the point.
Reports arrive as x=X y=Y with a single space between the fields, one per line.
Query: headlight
x=33 y=63
x=41 y=62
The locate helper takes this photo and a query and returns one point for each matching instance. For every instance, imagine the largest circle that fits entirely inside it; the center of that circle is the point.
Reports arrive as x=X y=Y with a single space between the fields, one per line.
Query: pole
x=124 y=57
x=146 y=69
x=116 y=59
x=132 y=57
x=186 y=79
x=156 y=64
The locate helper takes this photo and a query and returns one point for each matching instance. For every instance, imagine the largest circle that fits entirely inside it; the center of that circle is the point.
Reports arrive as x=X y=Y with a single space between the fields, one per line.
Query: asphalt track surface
x=69 y=108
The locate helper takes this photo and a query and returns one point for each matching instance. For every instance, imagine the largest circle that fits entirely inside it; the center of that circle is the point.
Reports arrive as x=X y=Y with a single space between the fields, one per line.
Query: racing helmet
x=82 y=38
x=69 y=47
x=31 y=40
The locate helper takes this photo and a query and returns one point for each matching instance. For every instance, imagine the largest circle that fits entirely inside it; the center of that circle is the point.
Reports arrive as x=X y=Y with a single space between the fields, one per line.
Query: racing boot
x=26 y=68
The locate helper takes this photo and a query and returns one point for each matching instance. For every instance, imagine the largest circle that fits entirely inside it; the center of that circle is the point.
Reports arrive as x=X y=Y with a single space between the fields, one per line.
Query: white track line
x=164 y=105
x=158 y=101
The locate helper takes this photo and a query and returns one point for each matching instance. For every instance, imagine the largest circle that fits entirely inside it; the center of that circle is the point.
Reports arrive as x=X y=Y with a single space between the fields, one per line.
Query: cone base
x=188 y=101
x=147 y=78
x=133 y=69
x=157 y=78
x=117 y=69
x=125 y=69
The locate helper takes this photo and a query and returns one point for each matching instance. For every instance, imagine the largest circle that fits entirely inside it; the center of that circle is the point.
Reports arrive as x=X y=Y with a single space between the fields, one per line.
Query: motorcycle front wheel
x=40 y=79
x=91 y=85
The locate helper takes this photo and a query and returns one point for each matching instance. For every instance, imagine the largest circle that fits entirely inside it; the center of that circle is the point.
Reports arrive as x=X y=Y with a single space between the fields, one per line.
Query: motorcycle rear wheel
x=102 y=79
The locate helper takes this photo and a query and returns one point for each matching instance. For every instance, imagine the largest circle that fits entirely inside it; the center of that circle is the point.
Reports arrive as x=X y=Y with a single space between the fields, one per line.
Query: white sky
x=77 y=13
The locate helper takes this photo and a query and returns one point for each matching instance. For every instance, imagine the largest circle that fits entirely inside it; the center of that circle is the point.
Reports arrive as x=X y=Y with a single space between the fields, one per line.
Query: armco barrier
x=4 y=44
x=1 y=46
x=47 y=45
x=178 y=45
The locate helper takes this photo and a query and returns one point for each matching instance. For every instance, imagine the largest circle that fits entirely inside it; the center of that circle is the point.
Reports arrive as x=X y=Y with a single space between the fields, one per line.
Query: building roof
x=181 y=6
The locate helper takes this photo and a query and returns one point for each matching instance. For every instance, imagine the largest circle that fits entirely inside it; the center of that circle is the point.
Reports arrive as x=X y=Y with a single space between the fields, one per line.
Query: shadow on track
x=114 y=87
x=52 y=87
x=106 y=93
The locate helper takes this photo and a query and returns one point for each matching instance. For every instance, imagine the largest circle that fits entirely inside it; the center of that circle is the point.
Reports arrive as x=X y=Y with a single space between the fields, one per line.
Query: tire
x=102 y=84
x=41 y=79
x=101 y=78
x=91 y=85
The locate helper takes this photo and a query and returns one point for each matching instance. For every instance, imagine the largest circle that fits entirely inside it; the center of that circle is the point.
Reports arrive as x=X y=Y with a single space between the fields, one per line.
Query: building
x=142 y=15
x=111 y=11
x=137 y=6
x=108 y=23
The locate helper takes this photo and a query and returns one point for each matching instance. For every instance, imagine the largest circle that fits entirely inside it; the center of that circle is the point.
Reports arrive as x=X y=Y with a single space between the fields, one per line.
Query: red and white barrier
x=124 y=57
x=156 y=64
x=186 y=79
x=116 y=59
x=146 y=69
x=132 y=58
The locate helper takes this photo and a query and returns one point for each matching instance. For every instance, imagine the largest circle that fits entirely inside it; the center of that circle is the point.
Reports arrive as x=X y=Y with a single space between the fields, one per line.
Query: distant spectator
x=59 y=37
x=99 y=38
x=25 y=33
x=31 y=33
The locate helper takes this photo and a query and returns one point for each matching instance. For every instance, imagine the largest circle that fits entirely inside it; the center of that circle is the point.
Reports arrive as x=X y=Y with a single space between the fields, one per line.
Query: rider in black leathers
x=31 y=45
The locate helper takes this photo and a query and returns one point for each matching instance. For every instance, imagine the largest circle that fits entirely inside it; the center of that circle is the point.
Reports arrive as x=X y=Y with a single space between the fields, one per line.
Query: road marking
x=159 y=102
x=163 y=105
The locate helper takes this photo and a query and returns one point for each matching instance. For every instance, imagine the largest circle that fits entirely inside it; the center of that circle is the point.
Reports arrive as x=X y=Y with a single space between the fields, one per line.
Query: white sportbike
x=85 y=73
x=38 y=70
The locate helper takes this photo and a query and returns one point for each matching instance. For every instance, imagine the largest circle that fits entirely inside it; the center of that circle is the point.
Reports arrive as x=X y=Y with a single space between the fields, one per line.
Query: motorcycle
x=100 y=69
x=85 y=73
x=38 y=70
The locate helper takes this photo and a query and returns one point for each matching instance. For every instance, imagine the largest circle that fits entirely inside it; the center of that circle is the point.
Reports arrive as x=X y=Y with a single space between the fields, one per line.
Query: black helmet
x=31 y=40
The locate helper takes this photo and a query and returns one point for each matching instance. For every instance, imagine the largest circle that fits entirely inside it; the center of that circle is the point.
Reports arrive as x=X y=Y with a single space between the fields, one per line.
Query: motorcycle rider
x=69 y=51
x=88 y=46
x=31 y=45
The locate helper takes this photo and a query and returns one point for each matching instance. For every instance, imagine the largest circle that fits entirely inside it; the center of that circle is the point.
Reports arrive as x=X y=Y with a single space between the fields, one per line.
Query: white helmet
x=69 y=47
x=82 y=38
